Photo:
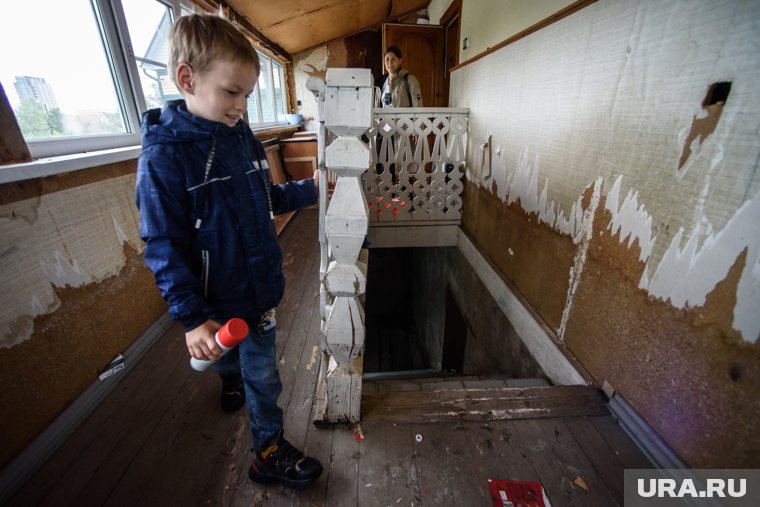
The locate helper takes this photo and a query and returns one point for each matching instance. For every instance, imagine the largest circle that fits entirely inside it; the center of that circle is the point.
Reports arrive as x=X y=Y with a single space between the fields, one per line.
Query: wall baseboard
x=643 y=435
x=35 y=454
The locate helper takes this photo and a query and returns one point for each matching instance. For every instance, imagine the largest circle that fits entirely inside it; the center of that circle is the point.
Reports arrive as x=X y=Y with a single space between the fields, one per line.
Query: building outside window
x=149 y=22
x=80 y=79
x=61 y=77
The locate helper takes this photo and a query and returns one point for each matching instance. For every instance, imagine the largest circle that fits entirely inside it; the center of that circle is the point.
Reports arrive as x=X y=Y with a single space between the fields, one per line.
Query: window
x=149 y=22
x=64 y=76
x=266 y=106
x=80 y=72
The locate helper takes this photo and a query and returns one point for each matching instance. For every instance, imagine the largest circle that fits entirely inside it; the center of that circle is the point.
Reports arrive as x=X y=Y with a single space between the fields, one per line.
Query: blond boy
x=206 y=205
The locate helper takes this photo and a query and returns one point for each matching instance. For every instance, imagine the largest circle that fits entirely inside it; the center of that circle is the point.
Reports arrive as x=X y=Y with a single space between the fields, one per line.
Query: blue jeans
x=256 y=359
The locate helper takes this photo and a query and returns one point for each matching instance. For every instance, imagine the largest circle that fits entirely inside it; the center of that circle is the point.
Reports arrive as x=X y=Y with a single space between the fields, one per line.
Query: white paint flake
x=580 y=256
x=63 y=272
x=119 y=231
x=685 y=276
x=522 y=184
x=632 y=220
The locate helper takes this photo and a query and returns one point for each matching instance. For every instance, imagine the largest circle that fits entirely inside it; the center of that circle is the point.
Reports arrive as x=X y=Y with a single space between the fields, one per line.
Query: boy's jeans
x=256 y=359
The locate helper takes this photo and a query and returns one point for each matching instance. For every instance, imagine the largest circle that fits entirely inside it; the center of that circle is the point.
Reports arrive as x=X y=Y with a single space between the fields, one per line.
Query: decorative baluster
x=347 y=114
x=317 y=87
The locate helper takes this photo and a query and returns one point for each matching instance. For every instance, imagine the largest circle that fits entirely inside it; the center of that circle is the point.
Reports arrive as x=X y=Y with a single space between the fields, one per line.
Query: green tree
x=55 y=121
x=33 y=119
x=36 y=122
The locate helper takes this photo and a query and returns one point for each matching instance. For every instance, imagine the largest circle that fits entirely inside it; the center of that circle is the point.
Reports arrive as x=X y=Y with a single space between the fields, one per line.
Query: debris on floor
x=518 y=494
x=581 y=484
x=358 y=433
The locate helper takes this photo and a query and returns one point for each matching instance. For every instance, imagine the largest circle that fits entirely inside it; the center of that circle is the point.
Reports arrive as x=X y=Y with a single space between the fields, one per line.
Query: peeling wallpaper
x=71 y=237
x=75 y=292
x=612 y=92
x=308 y=64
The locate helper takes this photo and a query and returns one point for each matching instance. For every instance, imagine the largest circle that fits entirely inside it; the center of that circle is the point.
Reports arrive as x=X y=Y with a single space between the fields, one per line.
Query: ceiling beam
x=388 y=18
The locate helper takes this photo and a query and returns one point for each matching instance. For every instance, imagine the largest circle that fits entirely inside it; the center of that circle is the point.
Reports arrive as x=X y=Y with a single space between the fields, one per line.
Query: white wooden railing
x=411 y=196
x=414 y=183
x=345 y=110
x=416 y=168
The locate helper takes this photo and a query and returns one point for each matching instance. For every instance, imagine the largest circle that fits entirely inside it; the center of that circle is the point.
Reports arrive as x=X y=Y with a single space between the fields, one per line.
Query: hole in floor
x=428 y=313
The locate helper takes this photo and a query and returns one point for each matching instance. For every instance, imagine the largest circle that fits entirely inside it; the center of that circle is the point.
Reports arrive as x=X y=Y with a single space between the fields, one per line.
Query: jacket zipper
x=204 y=273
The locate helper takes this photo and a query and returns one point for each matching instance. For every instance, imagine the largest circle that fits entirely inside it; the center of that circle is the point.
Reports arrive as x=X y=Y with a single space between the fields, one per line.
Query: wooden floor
x=160 y=439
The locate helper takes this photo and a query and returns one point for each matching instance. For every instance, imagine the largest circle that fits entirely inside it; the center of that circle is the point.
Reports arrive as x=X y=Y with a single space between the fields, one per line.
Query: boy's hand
x=330 y=185
x=201 y=343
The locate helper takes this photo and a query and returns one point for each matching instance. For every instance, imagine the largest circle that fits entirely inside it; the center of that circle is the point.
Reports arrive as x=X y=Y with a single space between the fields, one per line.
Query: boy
x=206 y=206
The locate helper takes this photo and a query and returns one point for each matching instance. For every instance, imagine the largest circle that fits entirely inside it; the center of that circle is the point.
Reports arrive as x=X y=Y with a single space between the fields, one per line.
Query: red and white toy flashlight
x=230 y=334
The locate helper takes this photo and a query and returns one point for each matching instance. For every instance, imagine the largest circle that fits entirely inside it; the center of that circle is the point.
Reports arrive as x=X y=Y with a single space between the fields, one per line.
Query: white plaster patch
x=621 y=99
x=119 y=232
x=77 y=239
x=580 y=256
x=522 y=184
x=305 y=65
x=632 y=220
x=36 y=306
x=63 y=272
x=685 y=276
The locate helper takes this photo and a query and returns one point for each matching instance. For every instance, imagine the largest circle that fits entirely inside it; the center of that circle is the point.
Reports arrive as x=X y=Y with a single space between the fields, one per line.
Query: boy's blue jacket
x=231 y=265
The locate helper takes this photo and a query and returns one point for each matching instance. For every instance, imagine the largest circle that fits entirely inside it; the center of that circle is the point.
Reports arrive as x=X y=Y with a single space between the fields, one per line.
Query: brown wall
x=362 y=50
x=626 y=211
x=48 y=360
x=686 y=371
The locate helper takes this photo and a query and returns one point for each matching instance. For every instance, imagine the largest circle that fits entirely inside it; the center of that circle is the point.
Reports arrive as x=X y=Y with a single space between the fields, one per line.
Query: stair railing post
x=347 y=111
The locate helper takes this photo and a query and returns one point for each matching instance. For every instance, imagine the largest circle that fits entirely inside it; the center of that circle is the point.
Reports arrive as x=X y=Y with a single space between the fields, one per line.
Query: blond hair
x=200 y=39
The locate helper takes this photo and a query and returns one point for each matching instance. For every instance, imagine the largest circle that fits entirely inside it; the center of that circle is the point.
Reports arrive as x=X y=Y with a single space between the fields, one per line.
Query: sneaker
x=233 y=394
x=282 y=463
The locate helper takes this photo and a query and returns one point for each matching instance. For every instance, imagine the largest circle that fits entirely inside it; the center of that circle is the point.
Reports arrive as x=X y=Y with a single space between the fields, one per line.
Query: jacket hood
x=174 y=124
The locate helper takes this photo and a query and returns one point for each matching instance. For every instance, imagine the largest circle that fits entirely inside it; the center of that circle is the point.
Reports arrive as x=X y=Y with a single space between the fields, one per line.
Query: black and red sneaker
x=232 y=398
x=285 y=465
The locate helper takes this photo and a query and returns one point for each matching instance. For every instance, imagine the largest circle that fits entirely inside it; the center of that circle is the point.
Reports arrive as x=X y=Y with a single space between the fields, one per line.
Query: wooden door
x=450 y=22
x=422 y=52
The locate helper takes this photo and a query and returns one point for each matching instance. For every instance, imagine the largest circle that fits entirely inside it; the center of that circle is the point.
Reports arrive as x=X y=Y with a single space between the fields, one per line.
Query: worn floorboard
x=160 y=439
x=373 y=465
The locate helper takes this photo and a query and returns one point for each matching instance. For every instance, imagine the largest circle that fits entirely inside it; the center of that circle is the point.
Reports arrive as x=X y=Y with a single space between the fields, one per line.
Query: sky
x=59 y=40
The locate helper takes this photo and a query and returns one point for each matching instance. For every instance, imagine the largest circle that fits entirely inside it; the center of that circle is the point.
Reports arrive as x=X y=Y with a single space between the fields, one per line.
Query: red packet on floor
x=358 y=433
x=518 y=494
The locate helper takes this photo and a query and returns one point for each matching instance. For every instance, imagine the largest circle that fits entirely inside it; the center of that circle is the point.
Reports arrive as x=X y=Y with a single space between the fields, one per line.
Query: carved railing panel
x=417 y=165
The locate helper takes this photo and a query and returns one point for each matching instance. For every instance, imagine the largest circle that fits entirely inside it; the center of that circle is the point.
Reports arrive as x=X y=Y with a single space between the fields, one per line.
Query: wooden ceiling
x=297 y=25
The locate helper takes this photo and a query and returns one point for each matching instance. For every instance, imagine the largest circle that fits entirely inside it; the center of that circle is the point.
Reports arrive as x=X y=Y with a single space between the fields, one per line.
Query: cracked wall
x=625 y=205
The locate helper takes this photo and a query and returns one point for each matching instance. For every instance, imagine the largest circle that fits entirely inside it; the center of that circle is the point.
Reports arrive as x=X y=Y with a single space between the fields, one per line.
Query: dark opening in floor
x=392 y=343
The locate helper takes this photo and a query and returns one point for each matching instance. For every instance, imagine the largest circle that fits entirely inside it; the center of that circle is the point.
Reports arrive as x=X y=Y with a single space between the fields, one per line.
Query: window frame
x=112 y=30
x=114 y=33
x=266 y=65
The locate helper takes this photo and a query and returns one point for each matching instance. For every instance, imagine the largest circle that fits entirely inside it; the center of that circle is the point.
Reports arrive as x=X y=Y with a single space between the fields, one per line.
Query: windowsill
x=48 y=166
x=275 y=128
